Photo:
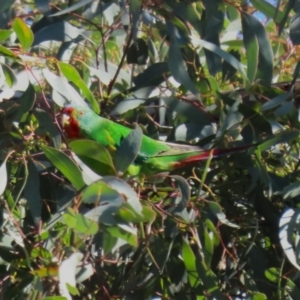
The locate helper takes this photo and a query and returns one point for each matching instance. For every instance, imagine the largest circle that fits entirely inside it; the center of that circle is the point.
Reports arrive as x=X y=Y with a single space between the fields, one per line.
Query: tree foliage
x=215 y=73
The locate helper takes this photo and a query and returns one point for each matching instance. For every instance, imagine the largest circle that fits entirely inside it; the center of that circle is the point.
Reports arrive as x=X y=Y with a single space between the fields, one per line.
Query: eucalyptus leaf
x=32 y=192
x=23 y=32
x=129 y=149
x=62 y=162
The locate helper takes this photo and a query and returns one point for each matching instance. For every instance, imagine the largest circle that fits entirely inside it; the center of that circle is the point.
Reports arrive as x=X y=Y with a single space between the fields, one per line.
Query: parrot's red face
x=69 y=122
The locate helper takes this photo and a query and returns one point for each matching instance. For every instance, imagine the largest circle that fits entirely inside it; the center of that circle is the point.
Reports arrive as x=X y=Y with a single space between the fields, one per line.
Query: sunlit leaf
x=61 y=86
x=98 y=192
x=272 y=274
x=23 y=32
x=72 y=75
x=5 y=33
x=67 y=273
x=7 y=52
x=288 y=224
x=118 y=232
x=46 y=271
x=3 y=176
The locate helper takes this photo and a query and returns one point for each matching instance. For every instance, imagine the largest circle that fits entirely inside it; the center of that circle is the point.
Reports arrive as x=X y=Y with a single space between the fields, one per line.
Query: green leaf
x=257 y=121
x=281 y=137
x=65 y=165
x=187 y=110
x=26 y=101
x=189 y=260
x=94 y=155
x=154 y=75
x=72 y=75
x=223 y=54
x=258 y=296
x=252 y=49
x=7 y=52
x=105 y=214
x=135 y=6
x=272 y=274
x=128 y=215
x=149 y=214
x=128 y=193
x=230 y=120
x=46 y=125
x=109 y=242
x=32 y=192
x=228 y=72
x=268 y=10
x=98 y=192
x=4 y=34
x=5 y=5
x=181 y=201
x=9 y=74
x=179 y=70
x=128 y=150
x=210 y=280
x=208 y=247
x=23 y=32
x=63 y=92
x=294 y=29
x=265 y=59
x=80 y=223
x=72 y=289
x=218 y=212
x=70 y=217
x=292 y=289
x=291 y=191
x=188 y=12
x=119 y=233
x=71 y=8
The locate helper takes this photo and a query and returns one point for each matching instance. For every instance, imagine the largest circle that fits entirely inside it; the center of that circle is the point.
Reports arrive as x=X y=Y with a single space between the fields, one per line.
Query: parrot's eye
x=80 y=113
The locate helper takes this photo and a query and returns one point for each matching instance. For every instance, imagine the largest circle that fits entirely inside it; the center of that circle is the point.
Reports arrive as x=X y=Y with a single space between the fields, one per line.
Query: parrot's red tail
x=205 y=154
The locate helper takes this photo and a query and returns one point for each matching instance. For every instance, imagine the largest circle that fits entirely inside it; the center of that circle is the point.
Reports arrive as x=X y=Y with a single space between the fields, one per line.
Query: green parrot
x=154 y=156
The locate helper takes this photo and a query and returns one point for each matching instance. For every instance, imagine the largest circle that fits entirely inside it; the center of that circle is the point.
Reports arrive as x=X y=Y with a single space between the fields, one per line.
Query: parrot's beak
x=65 y=120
